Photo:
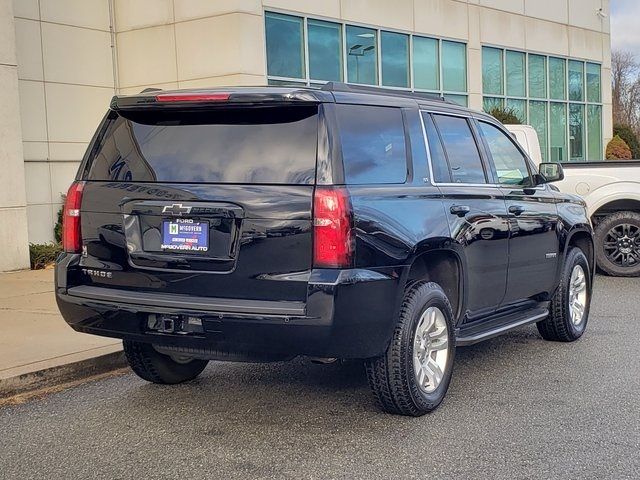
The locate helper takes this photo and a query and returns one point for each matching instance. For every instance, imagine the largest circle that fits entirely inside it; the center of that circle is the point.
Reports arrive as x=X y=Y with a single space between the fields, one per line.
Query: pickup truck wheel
x=569 y=309
x=618 y=244
x=412 y=376
x=155 y=367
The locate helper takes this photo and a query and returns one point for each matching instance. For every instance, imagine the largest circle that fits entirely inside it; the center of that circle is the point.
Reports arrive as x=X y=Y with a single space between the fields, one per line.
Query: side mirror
x=549 y=172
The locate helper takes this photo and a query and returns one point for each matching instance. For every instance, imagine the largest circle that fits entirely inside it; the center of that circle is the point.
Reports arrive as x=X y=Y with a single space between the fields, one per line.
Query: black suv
x=258 y=224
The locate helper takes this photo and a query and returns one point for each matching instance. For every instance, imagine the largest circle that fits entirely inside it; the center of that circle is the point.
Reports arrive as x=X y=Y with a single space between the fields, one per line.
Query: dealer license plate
x=185 y=235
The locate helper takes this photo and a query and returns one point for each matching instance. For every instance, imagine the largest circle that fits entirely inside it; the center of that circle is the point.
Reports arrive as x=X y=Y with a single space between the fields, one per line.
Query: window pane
x=221 y=145
x=594 y=127
x=439 y=163
x=576 y=132
x=461 y=149
x=516 y=74
x=538 y=120
x=510 y=164
x=492 y=71
x=576 y=81
x=285 y=53
x=362 y=55
x=557 y=78
x=537 y=76
x=519 y=108
x=558 y=132
x=593 y=83
x=426 y=74
x=373 y=144
x=325 y=50
x=395 y=59
x=454 y=66
x=489 y=103
x=459 y=99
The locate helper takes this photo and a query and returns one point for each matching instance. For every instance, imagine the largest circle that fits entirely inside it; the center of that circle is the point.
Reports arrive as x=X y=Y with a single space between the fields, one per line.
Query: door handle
x=460 y=210
x=516 y=209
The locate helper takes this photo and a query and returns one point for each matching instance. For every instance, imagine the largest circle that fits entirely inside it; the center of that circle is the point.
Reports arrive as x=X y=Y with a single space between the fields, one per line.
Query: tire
x=606 y=245
x=152 y=366
x=560 y=325
x=392 y=376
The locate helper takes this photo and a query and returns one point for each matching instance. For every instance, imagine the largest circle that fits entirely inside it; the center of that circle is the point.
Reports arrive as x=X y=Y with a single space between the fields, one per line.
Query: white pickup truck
x=612 y=192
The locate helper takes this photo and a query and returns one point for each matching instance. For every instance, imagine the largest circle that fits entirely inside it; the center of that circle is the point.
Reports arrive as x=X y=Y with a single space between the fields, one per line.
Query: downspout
x=114 y=53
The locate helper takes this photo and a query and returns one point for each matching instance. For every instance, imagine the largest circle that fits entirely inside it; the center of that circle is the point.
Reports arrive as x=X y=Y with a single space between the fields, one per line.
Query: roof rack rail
x=345 y=87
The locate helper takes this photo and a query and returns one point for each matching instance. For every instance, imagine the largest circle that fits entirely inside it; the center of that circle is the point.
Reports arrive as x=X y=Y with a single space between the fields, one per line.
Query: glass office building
x=308 y=51
x=559 y=95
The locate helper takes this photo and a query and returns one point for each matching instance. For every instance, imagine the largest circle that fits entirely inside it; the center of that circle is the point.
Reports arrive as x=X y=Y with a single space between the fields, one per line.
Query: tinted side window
x=441 y=173
x=461 y=149
x=511 y=165
x=373 y=144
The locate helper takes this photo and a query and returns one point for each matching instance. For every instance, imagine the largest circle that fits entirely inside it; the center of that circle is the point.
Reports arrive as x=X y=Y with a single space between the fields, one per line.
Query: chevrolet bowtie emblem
x=176 y=209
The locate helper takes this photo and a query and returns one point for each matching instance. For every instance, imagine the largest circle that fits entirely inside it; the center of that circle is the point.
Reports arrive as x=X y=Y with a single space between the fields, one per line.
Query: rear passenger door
x=476 y=209
x=533 y=218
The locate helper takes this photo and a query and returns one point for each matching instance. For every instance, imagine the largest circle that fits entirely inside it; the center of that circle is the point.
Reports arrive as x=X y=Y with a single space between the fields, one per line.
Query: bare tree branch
x=625 y=78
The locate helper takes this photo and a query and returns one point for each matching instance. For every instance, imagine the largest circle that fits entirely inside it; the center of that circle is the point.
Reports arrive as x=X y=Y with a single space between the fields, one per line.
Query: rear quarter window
x=373 y=144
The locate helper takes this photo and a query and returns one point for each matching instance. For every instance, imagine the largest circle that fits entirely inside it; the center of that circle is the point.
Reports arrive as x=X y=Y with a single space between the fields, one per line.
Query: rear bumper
x=348 y=314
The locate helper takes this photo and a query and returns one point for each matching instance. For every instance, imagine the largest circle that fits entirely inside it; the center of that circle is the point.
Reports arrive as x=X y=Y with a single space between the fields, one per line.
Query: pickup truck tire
x=155 y=367
x=626 y=225
x=573 y=295
x=393 y=376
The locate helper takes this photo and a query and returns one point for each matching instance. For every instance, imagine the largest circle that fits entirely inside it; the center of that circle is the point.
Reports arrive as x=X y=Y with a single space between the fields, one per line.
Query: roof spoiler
x=201 y=98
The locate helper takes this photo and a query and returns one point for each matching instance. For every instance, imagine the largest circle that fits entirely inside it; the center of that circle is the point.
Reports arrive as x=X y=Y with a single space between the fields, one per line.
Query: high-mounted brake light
x=332 y=235
x=71 y=235
x=192 y=97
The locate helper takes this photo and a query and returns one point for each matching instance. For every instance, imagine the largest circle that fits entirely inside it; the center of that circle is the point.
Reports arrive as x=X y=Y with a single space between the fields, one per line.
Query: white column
x=14 y=248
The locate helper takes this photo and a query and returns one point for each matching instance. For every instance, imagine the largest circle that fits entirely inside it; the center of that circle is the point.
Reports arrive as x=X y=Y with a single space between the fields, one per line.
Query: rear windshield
x=241 y=145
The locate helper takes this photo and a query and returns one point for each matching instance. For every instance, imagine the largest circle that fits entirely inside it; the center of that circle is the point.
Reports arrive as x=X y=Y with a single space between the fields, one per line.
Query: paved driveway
x=518 y=407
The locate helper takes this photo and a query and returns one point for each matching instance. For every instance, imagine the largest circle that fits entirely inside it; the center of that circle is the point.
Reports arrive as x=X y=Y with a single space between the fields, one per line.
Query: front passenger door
x=533 y=218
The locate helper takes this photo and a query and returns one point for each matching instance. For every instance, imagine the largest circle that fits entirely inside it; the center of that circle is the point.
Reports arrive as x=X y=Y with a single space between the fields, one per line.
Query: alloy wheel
x=622 y=245
x=430 y=349
x=577 y=295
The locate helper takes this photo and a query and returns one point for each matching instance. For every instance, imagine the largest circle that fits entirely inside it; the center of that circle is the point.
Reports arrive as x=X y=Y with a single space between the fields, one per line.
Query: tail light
x=332 y=235
x=192 y=97
x=71 y=235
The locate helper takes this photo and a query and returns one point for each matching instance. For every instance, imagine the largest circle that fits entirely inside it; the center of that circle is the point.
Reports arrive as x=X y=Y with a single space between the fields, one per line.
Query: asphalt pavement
x=518 y=407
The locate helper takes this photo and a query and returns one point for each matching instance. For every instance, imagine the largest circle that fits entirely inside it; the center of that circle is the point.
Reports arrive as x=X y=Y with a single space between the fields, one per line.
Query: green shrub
x=618 y=149
x=631 y=139
x=508 y=116
x=43 y=254
x=57 y=229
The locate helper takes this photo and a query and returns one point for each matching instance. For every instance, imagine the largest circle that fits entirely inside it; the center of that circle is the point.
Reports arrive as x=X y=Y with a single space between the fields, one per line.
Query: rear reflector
x=332 y=236
x=192 y=97
x=71 y=235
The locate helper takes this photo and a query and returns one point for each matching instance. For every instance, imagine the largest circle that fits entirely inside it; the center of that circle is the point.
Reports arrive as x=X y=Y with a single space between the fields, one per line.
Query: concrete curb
x=62 y=374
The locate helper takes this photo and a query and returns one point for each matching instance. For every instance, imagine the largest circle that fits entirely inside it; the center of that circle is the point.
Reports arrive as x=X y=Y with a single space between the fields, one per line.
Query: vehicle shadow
x=314 y=394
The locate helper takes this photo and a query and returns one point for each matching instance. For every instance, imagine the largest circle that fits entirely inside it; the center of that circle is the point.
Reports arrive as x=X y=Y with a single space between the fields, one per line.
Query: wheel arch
x=582 y=238
x=617 y=202
x=436 y=265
